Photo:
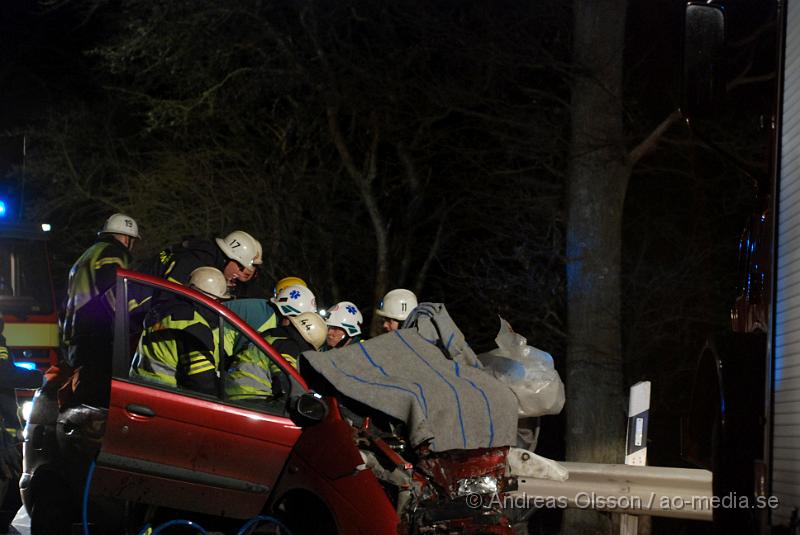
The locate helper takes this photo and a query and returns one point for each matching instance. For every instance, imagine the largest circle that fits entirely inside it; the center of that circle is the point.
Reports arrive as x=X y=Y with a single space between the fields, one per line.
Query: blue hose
x=86 y=487
x=171 y=523
x=263 y=518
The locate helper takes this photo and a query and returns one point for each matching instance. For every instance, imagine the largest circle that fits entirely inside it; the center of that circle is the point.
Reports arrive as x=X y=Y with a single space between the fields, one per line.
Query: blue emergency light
x=2 y=208
x=26 y=365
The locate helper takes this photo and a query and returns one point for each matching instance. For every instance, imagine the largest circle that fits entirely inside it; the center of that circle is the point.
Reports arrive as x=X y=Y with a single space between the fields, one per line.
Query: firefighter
x=287 y=281
x=87 y=325
x=344 y=325
x=181 y=349
x=286 y=338
x=395 y=308
x=252 y=374
x=11 y=378
x=293 y=300
x=263 y=315
x=237 y=256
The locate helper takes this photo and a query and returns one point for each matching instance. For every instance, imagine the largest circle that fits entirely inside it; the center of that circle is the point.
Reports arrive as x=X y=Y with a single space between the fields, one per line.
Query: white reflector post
x=638 y=415
x=636 y=444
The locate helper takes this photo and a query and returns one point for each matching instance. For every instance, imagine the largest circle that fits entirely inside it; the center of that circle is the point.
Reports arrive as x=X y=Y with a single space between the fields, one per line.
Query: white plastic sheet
x=528 y=372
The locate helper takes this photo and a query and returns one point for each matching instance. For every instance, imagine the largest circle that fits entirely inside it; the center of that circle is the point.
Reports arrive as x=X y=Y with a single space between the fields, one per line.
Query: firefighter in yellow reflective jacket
x=181 y=349
x=87 y=325
x=252 y=373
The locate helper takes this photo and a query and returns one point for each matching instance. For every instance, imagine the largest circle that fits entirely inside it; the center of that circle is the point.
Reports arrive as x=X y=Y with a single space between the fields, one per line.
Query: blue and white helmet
x=345 y=315
x=294 y=300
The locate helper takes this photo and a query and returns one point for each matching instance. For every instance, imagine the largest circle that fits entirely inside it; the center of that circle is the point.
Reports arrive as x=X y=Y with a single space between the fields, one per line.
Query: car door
x=183 y=449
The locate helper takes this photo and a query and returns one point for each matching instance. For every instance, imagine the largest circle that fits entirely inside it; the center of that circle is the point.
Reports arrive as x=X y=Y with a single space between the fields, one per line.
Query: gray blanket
x=404 y=376
x=437 y=327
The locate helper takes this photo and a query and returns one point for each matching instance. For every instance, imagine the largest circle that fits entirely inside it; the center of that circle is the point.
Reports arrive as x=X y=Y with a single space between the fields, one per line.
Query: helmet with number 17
x=241 y=247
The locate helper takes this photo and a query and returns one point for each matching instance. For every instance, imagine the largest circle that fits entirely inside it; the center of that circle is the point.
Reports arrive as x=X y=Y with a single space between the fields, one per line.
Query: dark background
x=197 y=119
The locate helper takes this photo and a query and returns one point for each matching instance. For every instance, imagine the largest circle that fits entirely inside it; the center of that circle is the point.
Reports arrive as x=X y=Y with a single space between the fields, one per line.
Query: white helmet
x=346 y=315
x=311 y=327
x=294 y=300
x=120 y=224
x=210 y=281
x=257 y=259
x=242 y=247
x=397 y=304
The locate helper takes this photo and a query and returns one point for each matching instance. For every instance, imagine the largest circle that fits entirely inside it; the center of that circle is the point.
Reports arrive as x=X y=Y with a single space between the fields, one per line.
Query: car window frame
x=121 y=349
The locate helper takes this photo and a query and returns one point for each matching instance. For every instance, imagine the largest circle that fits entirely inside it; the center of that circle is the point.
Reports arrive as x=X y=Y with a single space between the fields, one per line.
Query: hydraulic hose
x=250 y=524
x=147 y=530
x=85 y=508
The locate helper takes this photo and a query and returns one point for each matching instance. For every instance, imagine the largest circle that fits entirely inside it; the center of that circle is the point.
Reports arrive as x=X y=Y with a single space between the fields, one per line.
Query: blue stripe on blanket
x=488 y=411
x=366 y=382
x=455 y=392
x=369 y=358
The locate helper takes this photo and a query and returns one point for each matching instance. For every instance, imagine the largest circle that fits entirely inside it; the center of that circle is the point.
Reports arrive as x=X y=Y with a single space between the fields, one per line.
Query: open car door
x=178 y=448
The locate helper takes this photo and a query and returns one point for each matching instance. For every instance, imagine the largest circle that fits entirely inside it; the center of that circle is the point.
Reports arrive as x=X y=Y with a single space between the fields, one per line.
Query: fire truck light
x=46 y=227
x=26 y=365
x=27 y=407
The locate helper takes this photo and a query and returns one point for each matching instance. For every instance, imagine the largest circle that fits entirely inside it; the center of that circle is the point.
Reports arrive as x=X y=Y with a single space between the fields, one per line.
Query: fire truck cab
x=27 y=300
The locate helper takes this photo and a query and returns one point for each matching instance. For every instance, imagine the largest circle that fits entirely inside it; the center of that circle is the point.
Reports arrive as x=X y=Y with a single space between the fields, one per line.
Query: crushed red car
x=299 y=456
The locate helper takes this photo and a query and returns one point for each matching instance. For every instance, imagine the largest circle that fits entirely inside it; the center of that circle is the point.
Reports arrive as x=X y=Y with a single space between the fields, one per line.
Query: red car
x=163 y=453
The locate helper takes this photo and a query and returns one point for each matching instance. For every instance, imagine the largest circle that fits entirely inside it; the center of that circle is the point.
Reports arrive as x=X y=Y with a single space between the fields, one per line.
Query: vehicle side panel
x=235 y=452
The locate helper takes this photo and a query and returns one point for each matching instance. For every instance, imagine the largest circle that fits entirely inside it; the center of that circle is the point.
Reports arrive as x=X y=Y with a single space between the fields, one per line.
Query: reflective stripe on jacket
x=286 y=347
x=249 y=375
x=90 y=302
x=252 y=373
x=180 y=350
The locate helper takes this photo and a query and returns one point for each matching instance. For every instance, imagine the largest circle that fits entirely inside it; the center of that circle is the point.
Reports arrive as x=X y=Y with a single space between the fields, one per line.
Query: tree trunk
x=598 y=176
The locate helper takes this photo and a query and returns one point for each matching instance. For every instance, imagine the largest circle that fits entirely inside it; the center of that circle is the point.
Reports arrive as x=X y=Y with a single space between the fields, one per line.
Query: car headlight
x=477 y=485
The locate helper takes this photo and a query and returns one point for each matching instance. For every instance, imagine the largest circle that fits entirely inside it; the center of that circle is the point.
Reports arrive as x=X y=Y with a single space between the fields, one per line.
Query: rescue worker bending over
x=344 y=325
x=263 y=315
x=237 y=256
x=87 y=327
x=395 y=308
x=251 y=374
x=182 y=347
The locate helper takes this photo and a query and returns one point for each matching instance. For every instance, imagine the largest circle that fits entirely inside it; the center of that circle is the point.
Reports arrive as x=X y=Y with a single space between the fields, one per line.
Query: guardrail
x=636 y=490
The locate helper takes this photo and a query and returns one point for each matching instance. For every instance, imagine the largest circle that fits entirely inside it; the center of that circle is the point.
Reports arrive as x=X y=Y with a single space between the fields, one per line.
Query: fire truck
x=744 y=424
x=27 y=300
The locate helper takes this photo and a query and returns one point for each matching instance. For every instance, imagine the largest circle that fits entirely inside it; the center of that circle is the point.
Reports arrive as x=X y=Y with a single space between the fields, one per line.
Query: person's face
x=247 y=274
x=390 y=325
x=126 y=240
x=233 y=272
x=335 y=335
